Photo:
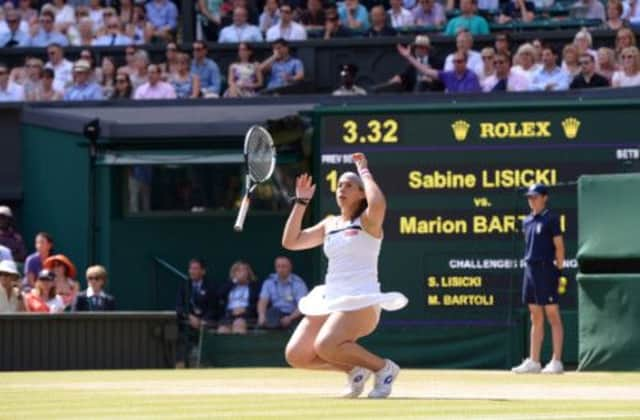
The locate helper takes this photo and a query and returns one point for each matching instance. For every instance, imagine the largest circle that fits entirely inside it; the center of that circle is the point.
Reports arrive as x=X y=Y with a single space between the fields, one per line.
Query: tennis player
x=347 y=307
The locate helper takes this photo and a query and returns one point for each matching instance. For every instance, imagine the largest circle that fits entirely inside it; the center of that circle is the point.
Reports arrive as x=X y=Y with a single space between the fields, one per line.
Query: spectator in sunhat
x=43 y=298
x=9 y=291
x=65 y=273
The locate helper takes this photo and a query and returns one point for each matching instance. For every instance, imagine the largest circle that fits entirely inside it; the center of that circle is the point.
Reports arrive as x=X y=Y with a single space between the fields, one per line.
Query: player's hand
x=305 y=187
x=360 y=160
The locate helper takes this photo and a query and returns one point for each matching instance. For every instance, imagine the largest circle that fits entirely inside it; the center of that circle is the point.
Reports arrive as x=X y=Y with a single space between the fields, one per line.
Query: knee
x=537 y=320
x=325 y=348
x=297 y=358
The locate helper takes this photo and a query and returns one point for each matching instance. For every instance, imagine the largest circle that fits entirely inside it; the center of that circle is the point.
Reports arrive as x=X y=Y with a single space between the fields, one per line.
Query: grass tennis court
x=292 y=394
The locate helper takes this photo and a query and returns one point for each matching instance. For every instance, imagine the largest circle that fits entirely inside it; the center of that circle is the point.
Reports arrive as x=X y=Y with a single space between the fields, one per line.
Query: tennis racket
x=260 y=161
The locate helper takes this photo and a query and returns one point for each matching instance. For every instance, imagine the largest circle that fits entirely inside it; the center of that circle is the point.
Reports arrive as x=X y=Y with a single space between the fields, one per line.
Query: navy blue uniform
x=540 y=285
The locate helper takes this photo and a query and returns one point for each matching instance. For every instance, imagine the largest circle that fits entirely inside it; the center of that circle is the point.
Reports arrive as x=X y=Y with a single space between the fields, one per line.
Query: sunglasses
x=285 y=11
x=94 y=278
x=624 y=57
x=487 y=57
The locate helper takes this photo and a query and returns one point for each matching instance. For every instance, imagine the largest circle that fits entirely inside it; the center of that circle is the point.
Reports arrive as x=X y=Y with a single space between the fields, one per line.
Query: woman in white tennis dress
x=347 y=307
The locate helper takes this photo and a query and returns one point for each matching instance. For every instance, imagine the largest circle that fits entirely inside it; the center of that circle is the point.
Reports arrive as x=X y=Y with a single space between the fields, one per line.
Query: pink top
x=162 y=90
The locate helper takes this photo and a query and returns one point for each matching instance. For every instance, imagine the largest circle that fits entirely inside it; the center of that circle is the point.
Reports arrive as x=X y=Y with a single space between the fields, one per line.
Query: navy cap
x=46 y=275
x=537 y=189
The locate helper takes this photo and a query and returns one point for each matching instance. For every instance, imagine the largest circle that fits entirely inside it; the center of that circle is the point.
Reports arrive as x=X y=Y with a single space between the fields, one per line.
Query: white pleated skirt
x=317 y=303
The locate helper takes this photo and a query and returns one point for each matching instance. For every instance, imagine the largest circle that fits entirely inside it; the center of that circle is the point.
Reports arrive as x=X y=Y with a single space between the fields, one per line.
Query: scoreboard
x=454 y=177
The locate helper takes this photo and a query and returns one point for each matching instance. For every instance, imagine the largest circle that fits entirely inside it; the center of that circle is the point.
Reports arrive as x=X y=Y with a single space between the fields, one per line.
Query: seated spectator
x=504 y=79
x=43 y=298
x=126 y=12
x=284 y=70
x=589 y=9
x=238 y=299
x=333 y=27
x=163 y=16
x=313 y=17
x=46 y=34
x=502 y=43
x=83 y=89
x=517 y=10
x=9 y=237
x=140 y=30
x=279 y=296
x=353 y=15
x=10 y=298
x=631 y=11
x=240 y=30
x=65 y=15
x=155 y=88
x=63 y=68
x=34 y=262
x=570 y=58
x=113 y=37
x=185 y=83
x=399 y=16
x=94 y=298
x=488 y=55
x=348 y=85
x=464 y=44
x=170 y=67
x=5 y=253
x=588 y=78
x=47 y=91
x=379 y=25
x=209 y=18
x=14 y=37
x=583 y=42
x=468 y=20
x=269 y=16
x=614 y=16
x=629 y=73
x=286 y=28
x=130 y=60
x=524 y=61
x=65 y=272
x=624 y=38
x=123 y=88
x=195 y=305
x=244 y=77
x=26 y=11
x=550 y=76
x=82 y=34
x=107 y=76
x=140 y=75
x=96 y=14
x=460 y=79
x=9 y=92
x=429 y=13
x=206 y=69
x=413 y=80
x=606 y=64
x=95 y=73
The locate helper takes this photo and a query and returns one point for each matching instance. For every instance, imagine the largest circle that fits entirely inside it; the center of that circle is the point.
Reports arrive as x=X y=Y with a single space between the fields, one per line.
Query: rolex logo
x=460 y=129
x=571 y=126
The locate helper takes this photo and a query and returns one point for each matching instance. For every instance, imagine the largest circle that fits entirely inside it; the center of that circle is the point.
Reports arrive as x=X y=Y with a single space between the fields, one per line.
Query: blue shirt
x=244 y=33
x=284 y=295
x=279 y=69
x=209 y=74
x=111 y=39
x=238 y=297
x=539 y=231
x=85 y=92
x=19 y=36
x=361 y=15
x=468 y=82
x=161 y=15
x=542 y=78
x=44 y=39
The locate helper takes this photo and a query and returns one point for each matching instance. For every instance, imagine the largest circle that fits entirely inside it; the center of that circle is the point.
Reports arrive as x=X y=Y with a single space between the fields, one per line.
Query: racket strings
x=260 y=157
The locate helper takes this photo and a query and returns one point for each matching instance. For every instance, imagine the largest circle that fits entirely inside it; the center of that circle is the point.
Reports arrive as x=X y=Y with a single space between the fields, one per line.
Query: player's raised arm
x=376 y=203
x=293 y=237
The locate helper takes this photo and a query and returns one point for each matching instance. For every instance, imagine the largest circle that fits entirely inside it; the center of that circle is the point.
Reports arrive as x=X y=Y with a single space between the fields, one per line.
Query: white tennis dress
x=351 y=282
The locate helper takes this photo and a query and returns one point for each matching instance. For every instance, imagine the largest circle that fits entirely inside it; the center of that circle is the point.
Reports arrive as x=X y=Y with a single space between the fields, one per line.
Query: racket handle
x=242 y=214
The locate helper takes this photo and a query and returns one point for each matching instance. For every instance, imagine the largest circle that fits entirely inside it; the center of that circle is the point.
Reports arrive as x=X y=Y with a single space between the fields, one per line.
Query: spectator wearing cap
x=464 y=44
x=429 y=13
x=460 y=79
x=588 y=78
x=9 y=92
x=114 y=35
x=348 y=87
x=550 y=76
x=504 y=79
x=379 y=26
x=279 y=296
x=9 y=237
x=94 y=298
x=206 y=69
x=43 y=298
x=286 y=28
x=163 y=15
x=353 y=15
x=155 y=88
x=399 y=16
x=83 y=89
x=64 y=272
x=5 y=254
x=468 y=20
x=14 y=37
x=34 y=262
x=47 y=35
x=240 y=30
x=10 y=298
x=284 y=70
x=412 y=80
x=63 y=68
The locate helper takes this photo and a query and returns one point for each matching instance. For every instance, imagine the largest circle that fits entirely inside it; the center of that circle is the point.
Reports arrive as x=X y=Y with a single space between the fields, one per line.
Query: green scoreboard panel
x=454 y=179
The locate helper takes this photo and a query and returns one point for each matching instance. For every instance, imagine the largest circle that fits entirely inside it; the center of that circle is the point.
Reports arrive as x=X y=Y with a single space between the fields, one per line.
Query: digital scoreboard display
x=455 y=177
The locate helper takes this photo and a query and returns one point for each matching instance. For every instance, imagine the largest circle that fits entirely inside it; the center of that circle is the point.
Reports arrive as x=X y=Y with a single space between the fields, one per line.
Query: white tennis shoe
x=554 y=366
x=384 y=380
x=528 y=366
x=355 y=382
